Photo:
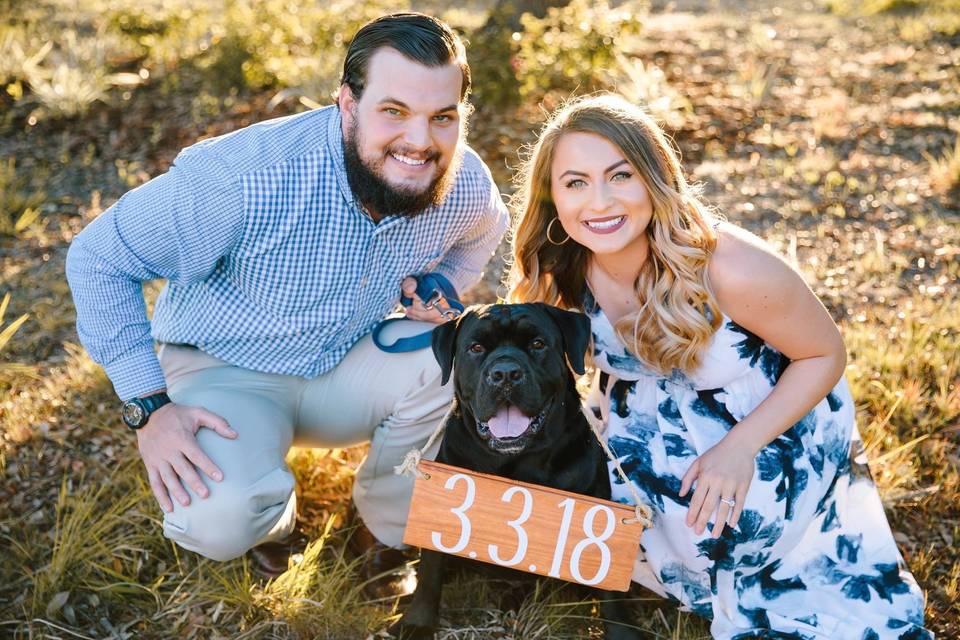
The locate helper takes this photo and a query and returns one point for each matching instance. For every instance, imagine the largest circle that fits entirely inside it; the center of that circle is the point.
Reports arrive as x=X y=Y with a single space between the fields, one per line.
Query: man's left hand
x=418 y=310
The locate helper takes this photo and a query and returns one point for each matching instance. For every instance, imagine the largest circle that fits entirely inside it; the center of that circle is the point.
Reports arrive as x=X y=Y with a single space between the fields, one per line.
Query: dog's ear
x=575 y=329
x=444 y=344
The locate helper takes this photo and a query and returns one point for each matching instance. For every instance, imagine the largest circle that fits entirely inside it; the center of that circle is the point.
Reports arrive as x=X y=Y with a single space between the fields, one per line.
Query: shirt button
x=363 y=281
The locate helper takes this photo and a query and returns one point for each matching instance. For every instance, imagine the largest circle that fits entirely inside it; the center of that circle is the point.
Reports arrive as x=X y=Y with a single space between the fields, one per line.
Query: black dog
x=516 y=414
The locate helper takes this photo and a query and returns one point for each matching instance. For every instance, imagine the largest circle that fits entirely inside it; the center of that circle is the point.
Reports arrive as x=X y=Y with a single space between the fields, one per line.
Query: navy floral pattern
x=812 y=556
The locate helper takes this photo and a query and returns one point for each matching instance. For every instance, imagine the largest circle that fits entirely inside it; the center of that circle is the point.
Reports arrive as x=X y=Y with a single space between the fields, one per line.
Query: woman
x=722 y=374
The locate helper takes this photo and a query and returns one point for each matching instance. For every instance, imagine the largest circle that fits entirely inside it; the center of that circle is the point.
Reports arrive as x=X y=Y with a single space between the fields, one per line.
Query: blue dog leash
x=433 y=288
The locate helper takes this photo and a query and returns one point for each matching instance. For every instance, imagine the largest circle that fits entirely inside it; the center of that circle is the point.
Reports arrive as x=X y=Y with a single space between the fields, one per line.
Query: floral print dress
x=812 y=555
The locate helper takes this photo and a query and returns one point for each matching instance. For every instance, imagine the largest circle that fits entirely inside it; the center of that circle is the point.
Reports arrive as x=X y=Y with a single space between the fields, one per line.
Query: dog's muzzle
x=511 y=408
x=509 y=430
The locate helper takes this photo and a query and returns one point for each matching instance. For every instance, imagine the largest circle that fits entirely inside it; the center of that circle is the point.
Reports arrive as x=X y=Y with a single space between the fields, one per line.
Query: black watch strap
x=136 y=411
x=154 y=402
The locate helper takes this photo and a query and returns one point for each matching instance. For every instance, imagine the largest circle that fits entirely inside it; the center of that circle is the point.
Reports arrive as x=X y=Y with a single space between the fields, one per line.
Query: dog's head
x=510 y=366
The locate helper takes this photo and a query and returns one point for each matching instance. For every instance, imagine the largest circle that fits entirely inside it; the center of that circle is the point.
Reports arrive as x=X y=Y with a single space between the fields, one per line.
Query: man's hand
x=171 y=453
x=417 y=310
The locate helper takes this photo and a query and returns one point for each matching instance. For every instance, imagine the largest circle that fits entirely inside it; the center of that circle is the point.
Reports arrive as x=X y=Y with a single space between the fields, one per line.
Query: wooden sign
x=523 y=526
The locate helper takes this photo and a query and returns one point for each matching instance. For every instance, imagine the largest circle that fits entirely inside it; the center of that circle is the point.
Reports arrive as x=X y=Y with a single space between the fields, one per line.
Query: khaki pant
x=393 y=400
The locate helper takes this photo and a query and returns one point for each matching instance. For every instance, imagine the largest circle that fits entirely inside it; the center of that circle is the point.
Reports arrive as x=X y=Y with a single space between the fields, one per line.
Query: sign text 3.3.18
x=523 y=526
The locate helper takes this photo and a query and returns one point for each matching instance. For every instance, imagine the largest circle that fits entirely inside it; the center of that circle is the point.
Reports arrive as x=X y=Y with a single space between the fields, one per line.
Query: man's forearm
x=112 y=322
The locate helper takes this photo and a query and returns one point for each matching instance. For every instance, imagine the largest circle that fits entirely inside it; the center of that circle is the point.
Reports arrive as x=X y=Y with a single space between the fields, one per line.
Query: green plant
x=569 y=48
x=758 y=79
x=916 y=18
x=646 y=84
x=8 y=369
x=572 y=48
x=945 y=170
x=87 y=532
x=12 y=55
x=492 y=56
x=74 y=74
x=889 y=6
x=19 y=205
x=278 y=45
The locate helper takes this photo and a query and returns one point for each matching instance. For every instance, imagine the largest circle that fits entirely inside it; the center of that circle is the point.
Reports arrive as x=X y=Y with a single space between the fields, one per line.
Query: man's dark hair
x=419 y=37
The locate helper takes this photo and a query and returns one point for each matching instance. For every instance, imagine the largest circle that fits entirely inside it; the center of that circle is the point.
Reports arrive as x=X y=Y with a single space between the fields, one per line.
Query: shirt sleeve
x=464 y=262
x=177 y=226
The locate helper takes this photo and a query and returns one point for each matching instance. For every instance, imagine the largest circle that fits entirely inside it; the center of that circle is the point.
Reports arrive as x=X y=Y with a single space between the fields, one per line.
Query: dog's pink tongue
x=508 y=423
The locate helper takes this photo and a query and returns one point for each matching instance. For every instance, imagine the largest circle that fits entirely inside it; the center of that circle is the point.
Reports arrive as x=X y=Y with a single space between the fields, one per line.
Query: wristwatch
x=136 y=411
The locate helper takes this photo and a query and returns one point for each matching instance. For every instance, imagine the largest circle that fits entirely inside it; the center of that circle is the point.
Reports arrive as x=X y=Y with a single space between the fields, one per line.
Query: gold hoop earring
x=551 y=240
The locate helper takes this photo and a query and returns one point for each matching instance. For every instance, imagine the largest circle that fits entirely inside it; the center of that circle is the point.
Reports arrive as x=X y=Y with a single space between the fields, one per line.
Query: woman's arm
x=763 y=294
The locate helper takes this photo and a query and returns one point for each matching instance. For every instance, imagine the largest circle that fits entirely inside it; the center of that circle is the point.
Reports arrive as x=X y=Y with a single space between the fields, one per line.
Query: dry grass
x=785 y=119
x=945 y=169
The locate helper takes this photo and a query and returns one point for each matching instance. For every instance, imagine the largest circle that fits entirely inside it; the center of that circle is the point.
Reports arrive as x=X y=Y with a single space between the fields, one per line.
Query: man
x=283 y=244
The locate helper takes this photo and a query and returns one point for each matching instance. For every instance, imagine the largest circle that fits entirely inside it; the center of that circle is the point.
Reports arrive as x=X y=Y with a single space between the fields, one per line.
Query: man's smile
x=407 y=160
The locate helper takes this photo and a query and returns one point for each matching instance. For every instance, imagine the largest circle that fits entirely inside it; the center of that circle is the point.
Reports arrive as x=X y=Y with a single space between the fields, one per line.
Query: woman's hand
x=722 y=474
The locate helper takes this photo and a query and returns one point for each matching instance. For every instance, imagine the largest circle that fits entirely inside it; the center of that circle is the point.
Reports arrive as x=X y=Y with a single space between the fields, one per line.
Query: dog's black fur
x=515 y=355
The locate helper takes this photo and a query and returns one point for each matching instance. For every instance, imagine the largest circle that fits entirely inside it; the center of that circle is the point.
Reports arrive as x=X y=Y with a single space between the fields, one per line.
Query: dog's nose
x=504 y=372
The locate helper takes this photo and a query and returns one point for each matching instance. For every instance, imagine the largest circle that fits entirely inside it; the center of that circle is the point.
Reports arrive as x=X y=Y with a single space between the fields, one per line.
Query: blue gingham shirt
x=270 y=262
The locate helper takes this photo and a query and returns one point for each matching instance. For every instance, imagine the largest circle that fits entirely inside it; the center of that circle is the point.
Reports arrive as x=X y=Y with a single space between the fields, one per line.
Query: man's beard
x=382 y=198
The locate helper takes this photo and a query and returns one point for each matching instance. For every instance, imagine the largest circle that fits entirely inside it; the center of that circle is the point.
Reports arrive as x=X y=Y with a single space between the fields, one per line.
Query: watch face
x=133 y=414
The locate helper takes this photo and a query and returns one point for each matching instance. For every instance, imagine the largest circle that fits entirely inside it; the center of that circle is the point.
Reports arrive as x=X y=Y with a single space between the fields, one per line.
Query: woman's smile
x=605 y=225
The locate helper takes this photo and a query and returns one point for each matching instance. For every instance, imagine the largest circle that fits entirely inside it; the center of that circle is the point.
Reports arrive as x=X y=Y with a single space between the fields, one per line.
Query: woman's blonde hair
x=678 y=313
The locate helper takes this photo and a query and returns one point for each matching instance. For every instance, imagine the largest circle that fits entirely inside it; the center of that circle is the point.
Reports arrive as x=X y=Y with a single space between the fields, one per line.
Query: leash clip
x=435 y=289
x=448 y=312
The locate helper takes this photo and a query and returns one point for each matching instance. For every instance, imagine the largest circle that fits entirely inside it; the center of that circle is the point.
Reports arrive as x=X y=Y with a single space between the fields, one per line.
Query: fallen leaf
x=56 y=603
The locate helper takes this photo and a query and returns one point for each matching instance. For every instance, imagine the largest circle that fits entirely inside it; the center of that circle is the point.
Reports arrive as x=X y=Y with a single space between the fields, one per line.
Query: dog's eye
x=478 y=348
x=538 y=344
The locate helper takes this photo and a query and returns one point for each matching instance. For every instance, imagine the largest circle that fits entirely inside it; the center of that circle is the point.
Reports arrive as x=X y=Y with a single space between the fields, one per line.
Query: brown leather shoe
x=385 y=571
x=271 y=559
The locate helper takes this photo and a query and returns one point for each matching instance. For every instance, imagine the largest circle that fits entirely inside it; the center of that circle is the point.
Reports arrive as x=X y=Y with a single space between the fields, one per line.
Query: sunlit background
x=828 y=127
